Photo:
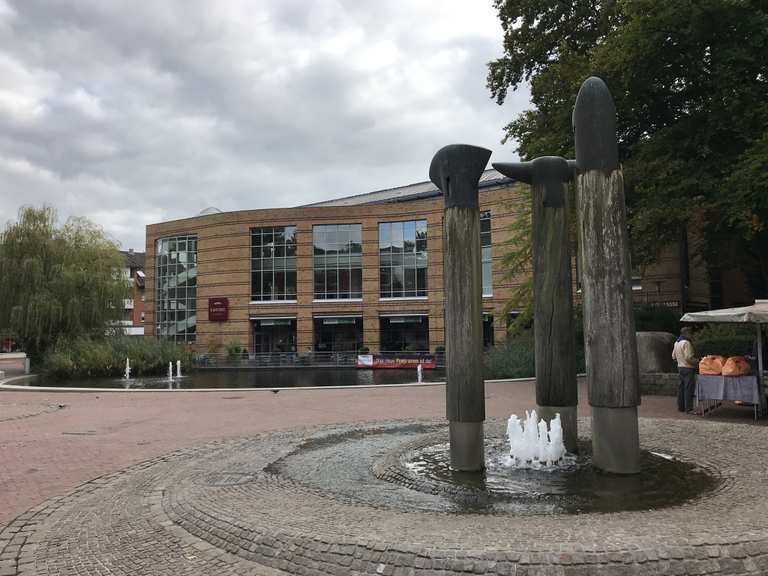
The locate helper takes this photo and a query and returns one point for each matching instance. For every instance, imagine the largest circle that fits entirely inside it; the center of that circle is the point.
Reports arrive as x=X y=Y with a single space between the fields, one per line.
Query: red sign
x=371 y=361
x=218 y=309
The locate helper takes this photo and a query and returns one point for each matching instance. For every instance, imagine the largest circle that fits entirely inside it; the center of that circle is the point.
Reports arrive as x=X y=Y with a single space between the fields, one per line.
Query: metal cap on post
x=456 y=170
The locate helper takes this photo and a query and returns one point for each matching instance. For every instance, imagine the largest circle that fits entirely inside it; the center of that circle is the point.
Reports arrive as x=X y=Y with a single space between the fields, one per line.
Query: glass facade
x=176 y=288
x=273 y=264
x=403 y=259
x=485 y=244
x=407 y=333
x=338 y=266
x=338 y=334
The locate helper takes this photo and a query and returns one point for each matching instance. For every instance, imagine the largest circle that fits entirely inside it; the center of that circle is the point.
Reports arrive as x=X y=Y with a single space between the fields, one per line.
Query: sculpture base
x=615 y=440
x=568 y=422
x=467 y=440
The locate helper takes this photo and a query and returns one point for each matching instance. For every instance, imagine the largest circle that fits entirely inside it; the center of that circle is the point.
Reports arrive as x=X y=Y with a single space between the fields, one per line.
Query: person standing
x=683 y=354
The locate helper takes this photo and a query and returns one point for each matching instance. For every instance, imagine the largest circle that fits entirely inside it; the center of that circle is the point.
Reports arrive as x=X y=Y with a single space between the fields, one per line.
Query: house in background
x=133 y=308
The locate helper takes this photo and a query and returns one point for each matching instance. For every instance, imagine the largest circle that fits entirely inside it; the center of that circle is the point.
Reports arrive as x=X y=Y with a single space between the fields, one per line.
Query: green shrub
x=656 y=319
x=724 y=339
x=85 y=357
x=234 y=349
x=513 y=358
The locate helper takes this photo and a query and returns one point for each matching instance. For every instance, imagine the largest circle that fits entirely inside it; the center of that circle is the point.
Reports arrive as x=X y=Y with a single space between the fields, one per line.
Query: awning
x=755 y=314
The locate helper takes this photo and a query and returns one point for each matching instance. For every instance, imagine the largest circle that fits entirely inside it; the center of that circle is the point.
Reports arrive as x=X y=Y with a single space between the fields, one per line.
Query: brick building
x=363 y=271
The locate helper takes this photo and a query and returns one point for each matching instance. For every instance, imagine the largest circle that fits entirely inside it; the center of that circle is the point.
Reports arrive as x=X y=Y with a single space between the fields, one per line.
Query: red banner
x=375 y=362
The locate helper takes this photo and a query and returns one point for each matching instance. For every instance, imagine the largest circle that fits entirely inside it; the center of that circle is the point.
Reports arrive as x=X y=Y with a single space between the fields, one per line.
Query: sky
x=130 y=113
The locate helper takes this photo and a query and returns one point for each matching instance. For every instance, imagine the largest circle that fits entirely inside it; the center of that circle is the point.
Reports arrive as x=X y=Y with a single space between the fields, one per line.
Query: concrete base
x=467 y=446
x=568 y=420
x=615 y=440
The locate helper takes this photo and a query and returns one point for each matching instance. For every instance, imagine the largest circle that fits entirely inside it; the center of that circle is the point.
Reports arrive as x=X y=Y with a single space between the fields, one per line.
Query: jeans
x=686 y=390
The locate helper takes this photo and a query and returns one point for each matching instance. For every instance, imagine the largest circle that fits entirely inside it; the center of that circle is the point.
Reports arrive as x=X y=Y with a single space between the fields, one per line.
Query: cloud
x=136 y=112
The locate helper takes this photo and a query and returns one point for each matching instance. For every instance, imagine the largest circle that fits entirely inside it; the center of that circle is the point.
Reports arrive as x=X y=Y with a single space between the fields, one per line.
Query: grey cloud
x=131 y=112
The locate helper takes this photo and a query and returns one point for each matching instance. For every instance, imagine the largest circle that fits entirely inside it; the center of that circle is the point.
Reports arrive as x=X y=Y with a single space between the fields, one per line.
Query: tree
x=690 y=81
x=57 y=282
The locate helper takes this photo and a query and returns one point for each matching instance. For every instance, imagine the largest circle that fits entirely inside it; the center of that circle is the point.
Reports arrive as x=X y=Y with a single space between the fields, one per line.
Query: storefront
x=338 y=333
x=404 y=333
x=274 y=334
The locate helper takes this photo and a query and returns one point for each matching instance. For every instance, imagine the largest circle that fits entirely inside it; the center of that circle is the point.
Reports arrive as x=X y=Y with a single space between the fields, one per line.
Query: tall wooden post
x=556 y=389
x=456 y=170
x=609 y=327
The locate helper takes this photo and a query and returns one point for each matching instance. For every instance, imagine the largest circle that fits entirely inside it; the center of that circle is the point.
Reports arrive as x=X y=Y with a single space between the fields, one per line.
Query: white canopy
x=755 y=314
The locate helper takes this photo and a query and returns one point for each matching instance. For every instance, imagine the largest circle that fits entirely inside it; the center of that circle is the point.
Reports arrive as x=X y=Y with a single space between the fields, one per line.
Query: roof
x=490 y=178
x=133 y=259
x=755 y=314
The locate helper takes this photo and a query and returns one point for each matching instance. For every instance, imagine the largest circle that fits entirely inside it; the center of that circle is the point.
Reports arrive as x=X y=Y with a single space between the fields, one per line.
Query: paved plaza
x=110 y=483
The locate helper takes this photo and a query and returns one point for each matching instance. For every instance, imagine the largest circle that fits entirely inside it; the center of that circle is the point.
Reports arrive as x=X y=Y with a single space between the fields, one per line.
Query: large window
x=273 y=263
x=338 y=264
x=272 y=335
x=403 y=259
x=406 y=333
x=487 y=258
x=176 y=288
x=338 y=334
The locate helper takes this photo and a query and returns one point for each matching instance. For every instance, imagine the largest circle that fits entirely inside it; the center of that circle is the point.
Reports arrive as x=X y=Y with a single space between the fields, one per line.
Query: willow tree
x=58 y=282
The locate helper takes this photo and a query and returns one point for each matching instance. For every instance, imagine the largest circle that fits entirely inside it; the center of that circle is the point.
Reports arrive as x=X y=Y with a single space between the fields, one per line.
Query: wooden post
x=556 y=389
x=609 y=327
x=456 y=170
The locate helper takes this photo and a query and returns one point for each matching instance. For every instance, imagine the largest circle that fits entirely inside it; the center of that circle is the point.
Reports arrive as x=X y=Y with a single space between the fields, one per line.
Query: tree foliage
x=690 y=81
x=57 y=282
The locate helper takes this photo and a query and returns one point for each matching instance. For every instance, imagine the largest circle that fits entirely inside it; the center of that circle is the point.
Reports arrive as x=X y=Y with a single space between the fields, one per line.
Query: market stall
x=743 y=388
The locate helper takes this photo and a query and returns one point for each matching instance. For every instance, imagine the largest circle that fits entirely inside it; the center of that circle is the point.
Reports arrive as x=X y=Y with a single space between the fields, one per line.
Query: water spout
x=531 y=444
x=419 y=374
x=170 y=371
x=127 y=369
x=178 y=368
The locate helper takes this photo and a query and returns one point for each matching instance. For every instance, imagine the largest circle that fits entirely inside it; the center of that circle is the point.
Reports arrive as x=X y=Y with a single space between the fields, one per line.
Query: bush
x=725 y=339
x=234 y=349
x=656 y=319
x=513 y=358
x=106 y=357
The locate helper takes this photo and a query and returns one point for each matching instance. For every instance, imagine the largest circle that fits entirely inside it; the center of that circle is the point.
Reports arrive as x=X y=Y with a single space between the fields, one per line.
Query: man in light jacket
x=683 y=354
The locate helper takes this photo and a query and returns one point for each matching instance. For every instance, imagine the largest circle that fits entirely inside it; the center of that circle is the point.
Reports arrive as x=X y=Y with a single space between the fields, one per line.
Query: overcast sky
x=130 y=112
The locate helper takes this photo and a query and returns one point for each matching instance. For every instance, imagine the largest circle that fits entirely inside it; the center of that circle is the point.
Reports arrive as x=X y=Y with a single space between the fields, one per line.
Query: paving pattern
x=222 y=508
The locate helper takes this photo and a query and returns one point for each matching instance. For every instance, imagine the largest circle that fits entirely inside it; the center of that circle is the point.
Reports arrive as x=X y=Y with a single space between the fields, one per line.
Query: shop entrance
x=338 y=333
x=404 y=333
x=274 y=335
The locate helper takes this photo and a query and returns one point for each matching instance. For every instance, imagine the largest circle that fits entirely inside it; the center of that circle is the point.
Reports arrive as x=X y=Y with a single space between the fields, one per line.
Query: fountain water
x=419 y=374
x=170 y=371
x=531 y=445
x=178 y=368
x=127 y=369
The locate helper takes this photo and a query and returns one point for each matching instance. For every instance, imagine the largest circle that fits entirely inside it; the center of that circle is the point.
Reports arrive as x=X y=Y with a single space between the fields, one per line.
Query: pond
x=260 y=378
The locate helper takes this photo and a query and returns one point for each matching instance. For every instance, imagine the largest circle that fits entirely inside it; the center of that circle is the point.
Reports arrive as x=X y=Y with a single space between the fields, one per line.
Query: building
x=358 y=272
x=133 y=308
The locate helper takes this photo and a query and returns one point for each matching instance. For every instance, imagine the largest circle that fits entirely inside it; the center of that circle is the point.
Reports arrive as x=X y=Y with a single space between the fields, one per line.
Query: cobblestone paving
x=212 y=509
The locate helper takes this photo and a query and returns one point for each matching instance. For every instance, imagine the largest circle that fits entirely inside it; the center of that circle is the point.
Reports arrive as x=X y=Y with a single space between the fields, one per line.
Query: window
x=273 y=263
x=338 y=334
x=485 y=246
x=338 y=268
x=406 y=333
x=176 y=290
x=403 y=259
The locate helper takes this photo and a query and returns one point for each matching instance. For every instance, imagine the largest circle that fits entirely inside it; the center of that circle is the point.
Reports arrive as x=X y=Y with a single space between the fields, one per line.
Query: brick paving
x=47 y=453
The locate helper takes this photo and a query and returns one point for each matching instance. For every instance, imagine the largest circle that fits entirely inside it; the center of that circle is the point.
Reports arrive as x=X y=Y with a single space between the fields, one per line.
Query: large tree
x=57 y=282
x=690 y=81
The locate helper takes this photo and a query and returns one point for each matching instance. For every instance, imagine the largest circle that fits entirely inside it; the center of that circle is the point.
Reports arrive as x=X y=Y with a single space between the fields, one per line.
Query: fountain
x=127 y=369
x=419 y=373
x=178 y=368
x=531 y=445
x=170 y=371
